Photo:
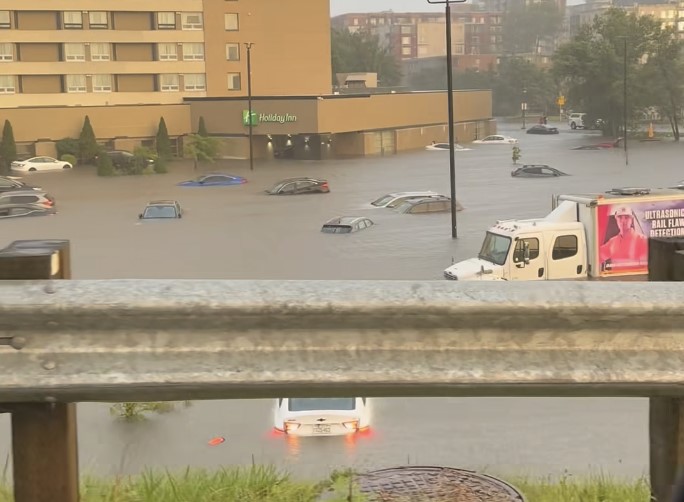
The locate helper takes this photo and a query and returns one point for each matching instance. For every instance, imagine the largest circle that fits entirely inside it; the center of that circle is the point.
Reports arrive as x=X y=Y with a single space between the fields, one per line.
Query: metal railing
x=137 y=340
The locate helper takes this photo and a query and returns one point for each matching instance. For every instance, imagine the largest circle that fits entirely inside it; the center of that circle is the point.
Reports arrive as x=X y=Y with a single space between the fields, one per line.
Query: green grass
x=267 y=484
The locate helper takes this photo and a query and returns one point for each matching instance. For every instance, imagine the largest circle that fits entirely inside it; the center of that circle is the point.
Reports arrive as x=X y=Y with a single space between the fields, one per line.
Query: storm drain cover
x=434 y=484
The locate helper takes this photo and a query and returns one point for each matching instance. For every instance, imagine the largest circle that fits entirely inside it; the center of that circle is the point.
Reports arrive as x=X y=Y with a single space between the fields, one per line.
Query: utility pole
x=624 y=100
x=249 y=104
x=450 y=105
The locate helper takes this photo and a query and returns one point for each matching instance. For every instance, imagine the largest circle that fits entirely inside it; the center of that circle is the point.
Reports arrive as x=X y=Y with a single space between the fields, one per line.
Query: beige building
x=127 y=63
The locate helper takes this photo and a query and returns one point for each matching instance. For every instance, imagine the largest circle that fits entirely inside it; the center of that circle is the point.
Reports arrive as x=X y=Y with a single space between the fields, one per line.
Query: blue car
x=214 y=180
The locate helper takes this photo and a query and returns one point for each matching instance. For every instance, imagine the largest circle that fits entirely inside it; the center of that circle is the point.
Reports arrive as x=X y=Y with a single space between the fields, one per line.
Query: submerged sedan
x=296 y=186
x=313 y=416
x=496 y=139
x=214 y=180
x=542 y=129
x=537 y=171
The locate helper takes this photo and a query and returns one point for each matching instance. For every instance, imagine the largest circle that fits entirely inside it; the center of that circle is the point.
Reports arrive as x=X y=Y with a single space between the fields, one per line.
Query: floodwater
x=240 y=233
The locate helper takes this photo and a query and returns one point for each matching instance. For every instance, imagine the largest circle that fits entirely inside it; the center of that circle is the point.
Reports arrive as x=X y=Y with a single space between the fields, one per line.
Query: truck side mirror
x=526 y=253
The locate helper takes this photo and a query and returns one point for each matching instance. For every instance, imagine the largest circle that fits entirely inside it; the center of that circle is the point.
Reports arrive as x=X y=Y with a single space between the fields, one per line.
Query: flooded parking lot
x=239 y=232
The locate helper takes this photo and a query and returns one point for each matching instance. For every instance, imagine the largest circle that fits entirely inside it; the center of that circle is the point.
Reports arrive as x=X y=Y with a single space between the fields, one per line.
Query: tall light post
x=250 y=121
x=450 y=104
x=523 y=106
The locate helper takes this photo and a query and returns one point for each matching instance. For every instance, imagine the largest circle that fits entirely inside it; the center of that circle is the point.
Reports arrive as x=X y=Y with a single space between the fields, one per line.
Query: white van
x=576 y=120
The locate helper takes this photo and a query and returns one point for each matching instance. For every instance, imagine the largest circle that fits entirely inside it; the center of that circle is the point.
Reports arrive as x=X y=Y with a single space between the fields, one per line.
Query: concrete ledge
x=134 y=340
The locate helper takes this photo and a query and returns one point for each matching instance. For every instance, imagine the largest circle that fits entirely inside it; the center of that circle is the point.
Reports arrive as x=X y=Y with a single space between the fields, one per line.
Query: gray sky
x=343 y=6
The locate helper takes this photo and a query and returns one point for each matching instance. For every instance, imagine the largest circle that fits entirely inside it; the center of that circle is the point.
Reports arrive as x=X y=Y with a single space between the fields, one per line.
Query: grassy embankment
x=267 y=484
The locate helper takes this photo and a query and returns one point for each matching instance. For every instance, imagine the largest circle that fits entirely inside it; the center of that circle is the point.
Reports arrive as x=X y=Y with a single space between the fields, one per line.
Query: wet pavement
x=240 y=233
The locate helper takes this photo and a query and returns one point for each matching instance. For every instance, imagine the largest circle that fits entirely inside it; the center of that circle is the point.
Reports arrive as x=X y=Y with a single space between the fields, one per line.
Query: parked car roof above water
x=542 y=129
x=346 y=224
x=395 y=198
x=214 y=179
x=303 y=185
x=537 y=171
x=439 y=204
x=161 y=209
x=13 y=183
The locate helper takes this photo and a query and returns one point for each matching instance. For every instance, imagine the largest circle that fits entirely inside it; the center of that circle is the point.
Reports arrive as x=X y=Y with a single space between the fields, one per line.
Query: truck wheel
x=573 y=125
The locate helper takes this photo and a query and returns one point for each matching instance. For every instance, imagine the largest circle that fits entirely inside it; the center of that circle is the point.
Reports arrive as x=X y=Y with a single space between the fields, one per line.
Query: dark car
x=162 y=209
x=123 y=159
x=11 y=184
x=294 y=186
x=542 y=129
x=346 y=225
x=537 y=171
x=20 y=210
x=214 y=180
x=27 y=196
x=441 y=204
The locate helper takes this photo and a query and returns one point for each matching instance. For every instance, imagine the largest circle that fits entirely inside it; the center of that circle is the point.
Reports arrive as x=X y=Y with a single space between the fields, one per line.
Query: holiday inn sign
x=266 y=118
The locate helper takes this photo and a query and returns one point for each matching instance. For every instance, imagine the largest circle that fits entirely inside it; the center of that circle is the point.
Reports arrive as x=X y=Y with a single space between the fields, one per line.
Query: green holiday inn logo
x=266 y=118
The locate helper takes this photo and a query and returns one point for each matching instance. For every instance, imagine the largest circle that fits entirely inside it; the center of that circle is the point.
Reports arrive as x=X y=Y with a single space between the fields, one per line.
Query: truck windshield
x=495 y=248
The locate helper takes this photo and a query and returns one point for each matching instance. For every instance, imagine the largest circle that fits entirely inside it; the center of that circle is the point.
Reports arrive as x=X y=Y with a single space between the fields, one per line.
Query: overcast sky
x=342 y=6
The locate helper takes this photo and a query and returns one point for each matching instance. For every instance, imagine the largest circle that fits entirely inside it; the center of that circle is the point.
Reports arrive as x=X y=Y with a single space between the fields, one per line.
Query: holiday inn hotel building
x=127 y=63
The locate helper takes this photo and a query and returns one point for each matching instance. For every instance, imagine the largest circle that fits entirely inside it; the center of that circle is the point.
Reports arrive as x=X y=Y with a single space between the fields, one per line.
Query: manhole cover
x=434 y=484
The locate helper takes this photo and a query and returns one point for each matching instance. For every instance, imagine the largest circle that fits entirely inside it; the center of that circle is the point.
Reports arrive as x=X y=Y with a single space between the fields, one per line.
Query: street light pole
x=450 y=105
x=249 y=103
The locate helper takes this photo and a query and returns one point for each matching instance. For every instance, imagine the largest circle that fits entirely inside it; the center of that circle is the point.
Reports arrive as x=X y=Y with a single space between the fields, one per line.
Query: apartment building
x=127 y=63
x=411 y=36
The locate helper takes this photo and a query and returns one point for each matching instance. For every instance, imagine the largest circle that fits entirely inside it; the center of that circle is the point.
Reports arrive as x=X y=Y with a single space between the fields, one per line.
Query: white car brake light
x=291 y=426
x=353 y=425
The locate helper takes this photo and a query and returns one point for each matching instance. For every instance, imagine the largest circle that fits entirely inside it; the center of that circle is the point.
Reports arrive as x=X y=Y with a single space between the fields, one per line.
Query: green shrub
x=140 y=156
x=67 y=146
x=160 y=166
x=104 y=165
x=67 y=157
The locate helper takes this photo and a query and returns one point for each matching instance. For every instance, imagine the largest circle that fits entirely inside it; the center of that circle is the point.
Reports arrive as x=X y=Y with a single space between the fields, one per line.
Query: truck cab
x=527 y=250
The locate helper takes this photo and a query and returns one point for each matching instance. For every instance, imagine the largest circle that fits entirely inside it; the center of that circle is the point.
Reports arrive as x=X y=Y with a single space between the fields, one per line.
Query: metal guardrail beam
x=137 y=340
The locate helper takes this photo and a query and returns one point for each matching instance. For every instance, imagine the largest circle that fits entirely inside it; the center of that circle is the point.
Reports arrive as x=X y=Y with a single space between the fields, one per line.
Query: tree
x=8 y=148
x=524 y=26
x=202 y=129
x=591 y=67
x=202 y=148
x=163 y=143
x=361 y=52
x=87 y=143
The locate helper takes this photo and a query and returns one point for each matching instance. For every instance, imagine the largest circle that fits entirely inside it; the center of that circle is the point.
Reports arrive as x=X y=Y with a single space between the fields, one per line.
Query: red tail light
x=325 y=185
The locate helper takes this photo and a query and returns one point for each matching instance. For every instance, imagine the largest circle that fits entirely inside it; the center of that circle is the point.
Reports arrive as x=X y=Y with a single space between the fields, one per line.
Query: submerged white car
x=496 y=139
x=315 y=416
x=392 y=200
x=39 y=164
x=445 y=147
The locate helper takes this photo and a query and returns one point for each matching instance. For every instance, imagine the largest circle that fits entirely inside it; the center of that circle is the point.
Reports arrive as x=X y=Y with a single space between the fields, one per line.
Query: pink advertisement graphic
x=624 y=230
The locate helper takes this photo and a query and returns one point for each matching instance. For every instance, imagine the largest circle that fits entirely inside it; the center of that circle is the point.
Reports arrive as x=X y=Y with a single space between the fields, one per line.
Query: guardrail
x=63 y=342
x=134 y=340
x=129 y=340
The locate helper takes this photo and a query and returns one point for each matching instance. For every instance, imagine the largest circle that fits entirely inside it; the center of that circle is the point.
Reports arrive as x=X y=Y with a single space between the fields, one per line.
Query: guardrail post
x=44 y=438
x=666 y=414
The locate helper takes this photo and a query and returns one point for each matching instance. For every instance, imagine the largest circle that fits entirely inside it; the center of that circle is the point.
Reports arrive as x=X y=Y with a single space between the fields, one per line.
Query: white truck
x=585 y=236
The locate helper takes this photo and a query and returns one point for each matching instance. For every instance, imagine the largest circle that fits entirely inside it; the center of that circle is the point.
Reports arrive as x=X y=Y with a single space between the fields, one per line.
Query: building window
x=194 y=82
x=232 y=52
x=234 y=82
x=74 y=52
x=97 y=20
x=193 y=52
x=73 y=20
x=102 y=83
x=168 y=82
x=166 y=21
x=6 y=52
x=167 y=52
x=4 y=19
x=405 y=30
x=8 y=84
x=406 y=40
x=405 y=51
x=76 y=83
x=100 y=52
x=192 y=21
x=232 y=22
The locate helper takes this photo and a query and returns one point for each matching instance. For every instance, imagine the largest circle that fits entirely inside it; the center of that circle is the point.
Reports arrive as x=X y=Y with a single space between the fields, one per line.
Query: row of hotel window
x=103 y=52
x=74 y=20
x=191 y=82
